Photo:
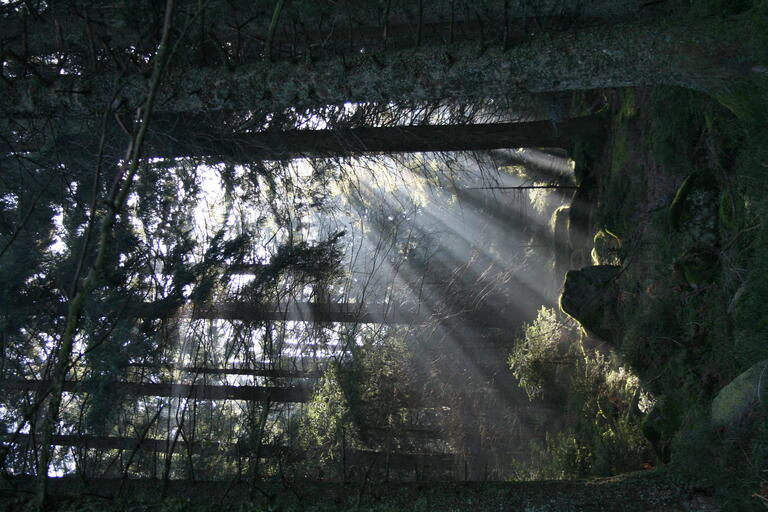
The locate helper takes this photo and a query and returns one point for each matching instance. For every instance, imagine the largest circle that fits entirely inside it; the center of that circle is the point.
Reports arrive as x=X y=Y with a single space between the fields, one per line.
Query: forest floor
x=644 y=491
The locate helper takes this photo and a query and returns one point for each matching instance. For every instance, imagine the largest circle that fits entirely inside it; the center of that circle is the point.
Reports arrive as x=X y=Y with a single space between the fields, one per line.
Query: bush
x=602 y=402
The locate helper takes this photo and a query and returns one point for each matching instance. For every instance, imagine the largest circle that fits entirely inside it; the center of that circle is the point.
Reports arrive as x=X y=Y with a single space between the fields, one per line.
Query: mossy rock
x=736 y=398
x=695 y=210
x=589 y=296
x=699 y=266
x=606 y=249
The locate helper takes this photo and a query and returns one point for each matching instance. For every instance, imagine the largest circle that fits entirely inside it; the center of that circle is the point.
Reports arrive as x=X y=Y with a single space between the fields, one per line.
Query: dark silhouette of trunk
x=275 y=394
x=211 y=449
x=206 y=449
x=188 y=140
x=266 y=371
x=501 y=315
x=199 y=391
x=339 y=142
x=229 y=34
x=508 y=316
x=699 y=53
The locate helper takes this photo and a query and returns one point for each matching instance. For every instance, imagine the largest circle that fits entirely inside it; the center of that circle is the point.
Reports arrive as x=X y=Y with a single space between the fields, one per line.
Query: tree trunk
x=340 y=142
x=266 y=371
x=512 y=317
x=211 y=449
x=635 y=492
x=199 y=391
x=506 y=316
x=704 y=54
x=277 y=394
x=206 y=449
x=235 y=33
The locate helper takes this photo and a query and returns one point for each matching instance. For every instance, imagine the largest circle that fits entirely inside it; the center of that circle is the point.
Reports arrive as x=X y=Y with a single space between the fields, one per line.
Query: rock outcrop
x=590 y=297
x=606 y=249
x=735 y=399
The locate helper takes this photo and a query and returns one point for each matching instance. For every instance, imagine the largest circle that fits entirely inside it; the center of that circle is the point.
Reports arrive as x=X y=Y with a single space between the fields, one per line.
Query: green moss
x=749 y=248
x=676 y=120
x=734 y=400
x=616 y=186
x=728 y=462
x=619 y=152
x=627 y=109
x=698 y=266
x=606 y=248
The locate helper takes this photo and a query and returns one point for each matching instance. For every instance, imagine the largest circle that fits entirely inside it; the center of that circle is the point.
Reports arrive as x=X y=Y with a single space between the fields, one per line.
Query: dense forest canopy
x=309 y=248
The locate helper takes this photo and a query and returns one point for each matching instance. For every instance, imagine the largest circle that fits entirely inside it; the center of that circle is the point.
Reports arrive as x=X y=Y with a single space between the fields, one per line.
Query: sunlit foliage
x=601 y=401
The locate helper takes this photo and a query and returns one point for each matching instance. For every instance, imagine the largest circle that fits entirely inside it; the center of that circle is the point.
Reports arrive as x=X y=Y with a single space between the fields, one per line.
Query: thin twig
x=272 y=28
x=385 y=32
x=139 y=441
x=94 y=201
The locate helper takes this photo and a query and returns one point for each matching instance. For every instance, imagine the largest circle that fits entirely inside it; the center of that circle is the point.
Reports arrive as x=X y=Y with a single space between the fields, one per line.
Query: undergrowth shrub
x=601 y=401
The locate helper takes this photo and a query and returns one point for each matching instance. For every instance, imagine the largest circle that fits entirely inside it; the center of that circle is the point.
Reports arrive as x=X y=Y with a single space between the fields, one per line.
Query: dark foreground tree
x=189 y=140
x=198 y=391
x=230 y=33
x=700 y=53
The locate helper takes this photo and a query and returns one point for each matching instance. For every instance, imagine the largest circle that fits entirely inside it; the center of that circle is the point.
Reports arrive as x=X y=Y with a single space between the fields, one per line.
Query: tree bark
x=512 y=317
x=234 y=33
x=341 y=142
x=704 y=54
